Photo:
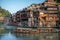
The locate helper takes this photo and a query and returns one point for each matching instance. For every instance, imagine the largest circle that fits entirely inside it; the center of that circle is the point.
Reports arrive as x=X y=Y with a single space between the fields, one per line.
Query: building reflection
x=41 y=36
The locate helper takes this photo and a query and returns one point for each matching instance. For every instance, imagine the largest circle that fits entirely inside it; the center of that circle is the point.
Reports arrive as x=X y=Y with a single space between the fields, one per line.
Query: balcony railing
x=50 y=12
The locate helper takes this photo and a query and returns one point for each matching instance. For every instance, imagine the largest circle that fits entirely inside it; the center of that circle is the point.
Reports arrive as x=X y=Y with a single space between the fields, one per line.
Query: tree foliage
x=58 y=1
x=4 y=13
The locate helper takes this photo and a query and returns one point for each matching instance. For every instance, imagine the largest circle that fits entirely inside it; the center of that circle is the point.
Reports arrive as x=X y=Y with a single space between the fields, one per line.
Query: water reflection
x=8 y=36
x=18 y=36
x=28 y=36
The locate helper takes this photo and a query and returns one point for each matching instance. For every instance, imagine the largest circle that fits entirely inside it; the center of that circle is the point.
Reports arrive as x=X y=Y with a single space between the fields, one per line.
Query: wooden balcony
x=51 y=12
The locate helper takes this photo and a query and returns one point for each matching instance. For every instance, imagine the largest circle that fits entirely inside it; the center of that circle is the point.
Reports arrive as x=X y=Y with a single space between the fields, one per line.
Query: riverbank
x=2 y=31
x=34 y=31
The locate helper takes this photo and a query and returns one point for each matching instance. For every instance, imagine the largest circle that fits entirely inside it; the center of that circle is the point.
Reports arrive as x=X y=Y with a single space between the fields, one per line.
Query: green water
x=18 y=36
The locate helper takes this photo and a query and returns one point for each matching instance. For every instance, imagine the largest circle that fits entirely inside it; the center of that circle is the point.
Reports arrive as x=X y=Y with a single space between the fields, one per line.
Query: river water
x=18 y=36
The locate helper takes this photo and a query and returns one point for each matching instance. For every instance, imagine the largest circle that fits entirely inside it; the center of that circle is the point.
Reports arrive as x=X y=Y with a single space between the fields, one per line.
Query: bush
x=1 y=23
x=3 y=31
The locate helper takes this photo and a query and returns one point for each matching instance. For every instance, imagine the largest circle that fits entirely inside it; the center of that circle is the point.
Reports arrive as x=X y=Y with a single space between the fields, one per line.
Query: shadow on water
x=19 y=36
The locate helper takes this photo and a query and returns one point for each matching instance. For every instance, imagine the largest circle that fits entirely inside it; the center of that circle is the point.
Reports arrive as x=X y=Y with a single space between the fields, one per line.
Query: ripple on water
x=8 y=36
x=42 y=36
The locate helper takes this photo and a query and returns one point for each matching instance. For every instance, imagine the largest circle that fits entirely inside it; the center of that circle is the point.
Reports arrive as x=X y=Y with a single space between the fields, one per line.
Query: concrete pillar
x=30 y=19
x=29 y=22
x=40 y=21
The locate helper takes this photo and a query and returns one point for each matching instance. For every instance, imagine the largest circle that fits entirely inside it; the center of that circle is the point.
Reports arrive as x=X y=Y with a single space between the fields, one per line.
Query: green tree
x=4 y=13
x=57 y=1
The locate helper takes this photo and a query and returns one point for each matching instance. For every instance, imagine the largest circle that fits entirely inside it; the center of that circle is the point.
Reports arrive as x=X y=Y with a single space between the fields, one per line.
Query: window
x=24 y=15
x=35 y=13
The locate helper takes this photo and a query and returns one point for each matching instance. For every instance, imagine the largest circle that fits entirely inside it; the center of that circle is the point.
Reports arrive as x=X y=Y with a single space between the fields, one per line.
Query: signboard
x=52 y=9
